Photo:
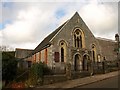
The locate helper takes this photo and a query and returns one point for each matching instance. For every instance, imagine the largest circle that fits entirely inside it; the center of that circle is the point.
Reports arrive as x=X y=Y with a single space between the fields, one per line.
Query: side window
x=94 y=52
x=62 y=50
x=98 y=57
x=62 y=54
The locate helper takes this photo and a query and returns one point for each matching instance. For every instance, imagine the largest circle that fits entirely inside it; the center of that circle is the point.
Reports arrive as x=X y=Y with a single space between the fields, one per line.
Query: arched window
x=63 y=51
x=62 y=54
x=75 y=40
x=78 y=38
x=98 y=58
x=78 y=41
x=93 y=55
x=94 y=52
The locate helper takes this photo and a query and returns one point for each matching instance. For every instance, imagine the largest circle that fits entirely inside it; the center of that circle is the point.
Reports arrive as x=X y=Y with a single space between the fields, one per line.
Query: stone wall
x=108 y=49
x=54 y=78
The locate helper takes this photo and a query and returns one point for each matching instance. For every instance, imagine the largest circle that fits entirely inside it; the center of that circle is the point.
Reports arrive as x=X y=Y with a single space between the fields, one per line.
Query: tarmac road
x=107 y=83
x=108 y=80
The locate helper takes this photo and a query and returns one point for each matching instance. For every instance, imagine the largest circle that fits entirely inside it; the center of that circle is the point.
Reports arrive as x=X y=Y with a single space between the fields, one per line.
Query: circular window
x=77 y=32
x=62 y=43
x=93 y=46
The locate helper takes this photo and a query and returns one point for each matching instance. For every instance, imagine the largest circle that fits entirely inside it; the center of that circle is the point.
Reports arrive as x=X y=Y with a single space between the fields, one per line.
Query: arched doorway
x=77 y=63
x=86 y=60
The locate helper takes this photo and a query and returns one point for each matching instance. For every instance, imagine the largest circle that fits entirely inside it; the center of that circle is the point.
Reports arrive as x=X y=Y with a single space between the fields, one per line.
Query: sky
x=25 y=23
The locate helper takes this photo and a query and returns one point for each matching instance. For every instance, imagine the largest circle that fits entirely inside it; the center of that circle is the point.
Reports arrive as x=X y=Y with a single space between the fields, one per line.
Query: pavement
x=81 y=81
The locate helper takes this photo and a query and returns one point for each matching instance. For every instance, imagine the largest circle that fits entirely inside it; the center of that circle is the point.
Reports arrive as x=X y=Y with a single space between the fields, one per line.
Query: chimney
x=117 y=37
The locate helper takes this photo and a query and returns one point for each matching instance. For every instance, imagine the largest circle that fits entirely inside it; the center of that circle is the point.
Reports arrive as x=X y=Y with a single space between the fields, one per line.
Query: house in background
x=21 y=55
x=72 y=43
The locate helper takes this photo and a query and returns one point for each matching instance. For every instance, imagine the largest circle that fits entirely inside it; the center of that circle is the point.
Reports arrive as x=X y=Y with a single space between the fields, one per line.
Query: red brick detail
x=34 y=57
x=39 y=56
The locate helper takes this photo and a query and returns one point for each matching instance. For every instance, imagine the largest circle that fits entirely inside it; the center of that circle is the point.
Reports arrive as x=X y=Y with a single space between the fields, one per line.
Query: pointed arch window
x=80 y=41
x=62 y=54
x=75 y=40
x=78 y=38
x=94 y=52
x=93 y=55
x=63 y=51
x=98 y=58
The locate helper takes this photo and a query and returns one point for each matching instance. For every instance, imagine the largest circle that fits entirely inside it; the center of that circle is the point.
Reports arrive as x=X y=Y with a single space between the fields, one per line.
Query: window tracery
x=78 y=38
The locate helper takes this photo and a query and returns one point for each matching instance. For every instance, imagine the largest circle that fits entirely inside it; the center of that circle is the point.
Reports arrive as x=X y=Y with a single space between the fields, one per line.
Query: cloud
x=30 y=22
x=30 y=26
x=101 y=18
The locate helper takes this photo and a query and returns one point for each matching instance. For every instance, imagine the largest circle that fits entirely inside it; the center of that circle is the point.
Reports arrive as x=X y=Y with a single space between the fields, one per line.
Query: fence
x=105 y=66
x=112 y=66
x=98 y=68
x=19 y=81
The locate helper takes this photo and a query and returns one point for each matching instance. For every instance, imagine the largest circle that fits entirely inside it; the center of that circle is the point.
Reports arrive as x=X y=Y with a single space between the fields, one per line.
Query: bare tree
x=6 y=48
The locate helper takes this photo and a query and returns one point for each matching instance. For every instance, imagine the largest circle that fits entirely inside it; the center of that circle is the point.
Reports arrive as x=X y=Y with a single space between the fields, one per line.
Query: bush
x=9 y=66
x=37 y=72
x=37 y=69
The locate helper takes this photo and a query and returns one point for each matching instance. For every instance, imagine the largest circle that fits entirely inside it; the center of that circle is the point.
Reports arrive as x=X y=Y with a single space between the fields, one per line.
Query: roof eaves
x=104 y=39
x=51 y=36
x=43 y=48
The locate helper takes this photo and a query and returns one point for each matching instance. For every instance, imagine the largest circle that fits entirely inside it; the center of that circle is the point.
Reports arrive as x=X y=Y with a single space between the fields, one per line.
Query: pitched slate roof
x=105 y=39
x=46 y=42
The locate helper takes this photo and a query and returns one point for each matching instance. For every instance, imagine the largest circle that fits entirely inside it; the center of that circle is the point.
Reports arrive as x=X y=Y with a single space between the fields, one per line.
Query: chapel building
x=73 y=43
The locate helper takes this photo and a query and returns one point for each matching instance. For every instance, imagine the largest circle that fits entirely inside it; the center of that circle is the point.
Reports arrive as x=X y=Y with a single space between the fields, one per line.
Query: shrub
x=37 y=72
x=9 y=67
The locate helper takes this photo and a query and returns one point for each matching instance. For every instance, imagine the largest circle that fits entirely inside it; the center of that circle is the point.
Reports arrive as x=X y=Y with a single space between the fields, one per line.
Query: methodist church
x=72 y=43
